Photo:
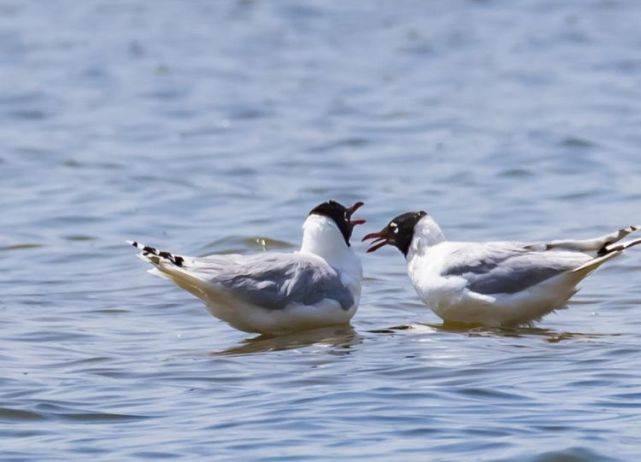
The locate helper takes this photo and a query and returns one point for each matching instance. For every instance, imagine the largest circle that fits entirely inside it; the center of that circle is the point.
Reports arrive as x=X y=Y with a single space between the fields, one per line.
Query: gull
x=494 y=284
x=276 y=293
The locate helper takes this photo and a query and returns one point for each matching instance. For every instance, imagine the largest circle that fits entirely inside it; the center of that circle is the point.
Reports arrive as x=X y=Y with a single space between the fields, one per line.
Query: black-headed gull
x=494 y=283
x=275 y=293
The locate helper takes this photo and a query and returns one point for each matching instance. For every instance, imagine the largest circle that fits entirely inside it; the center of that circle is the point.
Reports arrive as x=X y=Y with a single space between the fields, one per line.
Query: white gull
x=276 y=293
x=494 y=283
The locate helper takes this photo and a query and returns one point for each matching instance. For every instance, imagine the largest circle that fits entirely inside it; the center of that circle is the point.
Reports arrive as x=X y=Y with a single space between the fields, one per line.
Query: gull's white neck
x=322 y=237
x=427 y=233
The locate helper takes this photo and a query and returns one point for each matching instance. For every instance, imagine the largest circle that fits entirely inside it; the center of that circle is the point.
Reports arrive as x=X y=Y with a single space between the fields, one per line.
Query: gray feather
x=509 y=268
x=273 y=280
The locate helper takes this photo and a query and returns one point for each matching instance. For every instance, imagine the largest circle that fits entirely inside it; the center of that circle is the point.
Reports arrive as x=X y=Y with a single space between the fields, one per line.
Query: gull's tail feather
x=177 y=269
x=585 y=269
x=608 y=252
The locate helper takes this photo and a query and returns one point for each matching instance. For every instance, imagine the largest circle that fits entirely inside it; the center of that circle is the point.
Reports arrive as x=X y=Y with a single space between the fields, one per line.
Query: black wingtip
x=146 y=251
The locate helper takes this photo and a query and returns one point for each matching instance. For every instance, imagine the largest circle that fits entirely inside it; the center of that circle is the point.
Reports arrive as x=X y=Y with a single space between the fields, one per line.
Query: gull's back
x=274 y=281
x=508 y=267
x=495 y=283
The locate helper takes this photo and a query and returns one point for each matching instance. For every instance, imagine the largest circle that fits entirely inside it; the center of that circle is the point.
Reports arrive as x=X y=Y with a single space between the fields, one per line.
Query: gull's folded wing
x=272 y=280
x=601 y=244
x=507 y=268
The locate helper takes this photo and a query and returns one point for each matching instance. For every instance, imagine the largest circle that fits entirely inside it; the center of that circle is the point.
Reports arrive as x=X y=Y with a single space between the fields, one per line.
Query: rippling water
x=214 y=127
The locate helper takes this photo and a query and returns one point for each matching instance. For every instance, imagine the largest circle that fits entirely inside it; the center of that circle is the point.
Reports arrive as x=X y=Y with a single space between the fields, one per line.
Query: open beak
x=350 y=212
x=379 y=240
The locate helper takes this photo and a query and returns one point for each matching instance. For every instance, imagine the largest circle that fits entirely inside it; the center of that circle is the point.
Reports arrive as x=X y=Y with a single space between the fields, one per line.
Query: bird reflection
x=340 y=339
x=548 y=335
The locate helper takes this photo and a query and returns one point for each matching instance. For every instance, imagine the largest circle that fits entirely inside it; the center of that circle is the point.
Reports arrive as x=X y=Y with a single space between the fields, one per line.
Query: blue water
x=207 y=127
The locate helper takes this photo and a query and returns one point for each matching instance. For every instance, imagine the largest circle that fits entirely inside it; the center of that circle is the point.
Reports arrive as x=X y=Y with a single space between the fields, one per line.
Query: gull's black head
x=398 y=232
x=341 y=215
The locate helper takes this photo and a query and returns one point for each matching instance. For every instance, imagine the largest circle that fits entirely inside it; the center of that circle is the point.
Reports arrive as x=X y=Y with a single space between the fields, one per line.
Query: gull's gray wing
x=599 y=244
x=273 y=280
x=507 y=268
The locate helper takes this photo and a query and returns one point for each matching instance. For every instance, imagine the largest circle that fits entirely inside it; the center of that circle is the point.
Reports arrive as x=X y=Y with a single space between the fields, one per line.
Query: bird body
x=274 y=293
x=449 y=289
x=494 y=283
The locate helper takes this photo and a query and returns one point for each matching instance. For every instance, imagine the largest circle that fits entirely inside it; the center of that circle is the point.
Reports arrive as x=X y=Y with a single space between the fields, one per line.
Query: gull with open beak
x=494 y=283
x=277 y=293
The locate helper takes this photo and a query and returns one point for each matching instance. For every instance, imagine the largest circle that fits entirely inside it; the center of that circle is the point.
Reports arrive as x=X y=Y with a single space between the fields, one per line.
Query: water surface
x=207 y=127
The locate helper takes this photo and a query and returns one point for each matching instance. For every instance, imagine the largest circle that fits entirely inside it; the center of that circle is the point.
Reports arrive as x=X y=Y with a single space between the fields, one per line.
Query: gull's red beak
x=379 y=240
x=350 y=212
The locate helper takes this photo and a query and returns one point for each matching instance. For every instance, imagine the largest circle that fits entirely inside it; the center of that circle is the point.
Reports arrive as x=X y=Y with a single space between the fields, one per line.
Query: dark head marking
x=341 y=215
x=399 y=232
